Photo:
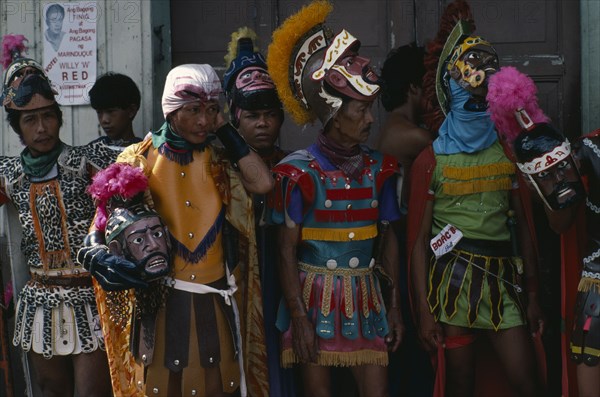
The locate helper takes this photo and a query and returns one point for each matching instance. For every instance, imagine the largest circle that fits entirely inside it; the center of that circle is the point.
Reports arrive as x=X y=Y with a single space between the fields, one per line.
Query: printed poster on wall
x=69 y=41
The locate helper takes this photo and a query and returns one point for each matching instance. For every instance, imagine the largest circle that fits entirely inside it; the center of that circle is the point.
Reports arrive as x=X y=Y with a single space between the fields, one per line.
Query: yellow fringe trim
x=348 y=296
x=480 y=186
x=280 y=52
x=307 y=290
x=327 y=234
x=232 y=47
x=586 y=285
x=587 y=350
x=480 y=171
x=327 y=290
x=375 y=295
x=339 y=359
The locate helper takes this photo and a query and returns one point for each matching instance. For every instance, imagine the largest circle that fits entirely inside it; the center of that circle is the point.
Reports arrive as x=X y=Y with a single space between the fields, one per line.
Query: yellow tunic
x=189 y=199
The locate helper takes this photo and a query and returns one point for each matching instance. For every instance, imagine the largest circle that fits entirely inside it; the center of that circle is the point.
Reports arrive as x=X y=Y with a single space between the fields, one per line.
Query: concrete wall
x=590 y=65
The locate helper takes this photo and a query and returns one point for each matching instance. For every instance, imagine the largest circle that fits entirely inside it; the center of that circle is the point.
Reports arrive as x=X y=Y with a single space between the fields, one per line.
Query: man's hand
x=396 y=327
x=430 y=331
x=304 y=340
x=535 y=316
x=114 y=273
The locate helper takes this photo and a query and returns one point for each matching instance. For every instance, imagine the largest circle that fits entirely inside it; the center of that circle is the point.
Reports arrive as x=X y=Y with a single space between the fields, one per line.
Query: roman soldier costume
x=337 y=195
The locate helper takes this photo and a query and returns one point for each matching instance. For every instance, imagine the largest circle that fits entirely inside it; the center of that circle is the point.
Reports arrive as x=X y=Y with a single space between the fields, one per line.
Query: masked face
x=353 y=76
x=254 y=78
x=560 y=185
x=146 y=243
x=472 y=63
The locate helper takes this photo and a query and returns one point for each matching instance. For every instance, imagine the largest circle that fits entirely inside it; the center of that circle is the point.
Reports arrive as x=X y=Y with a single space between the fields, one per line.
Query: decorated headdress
x=246 y=82
x=456 y=25
x=28 y=92
x=189 y=83
x=14 y=63
x=513 y=106
x=122 y=186
x=304 y=62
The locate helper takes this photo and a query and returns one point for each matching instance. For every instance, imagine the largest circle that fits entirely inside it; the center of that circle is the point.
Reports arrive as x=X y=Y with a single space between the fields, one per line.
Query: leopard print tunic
x=55 y=213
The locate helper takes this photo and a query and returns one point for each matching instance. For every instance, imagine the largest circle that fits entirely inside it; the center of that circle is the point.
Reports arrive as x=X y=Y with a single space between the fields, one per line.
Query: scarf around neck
x=174 y=147
x=350 y=161
x=40 y=165
x=464 y=131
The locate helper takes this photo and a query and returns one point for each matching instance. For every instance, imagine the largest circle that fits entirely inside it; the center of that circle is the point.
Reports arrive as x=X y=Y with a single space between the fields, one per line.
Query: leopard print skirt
x=53 y=320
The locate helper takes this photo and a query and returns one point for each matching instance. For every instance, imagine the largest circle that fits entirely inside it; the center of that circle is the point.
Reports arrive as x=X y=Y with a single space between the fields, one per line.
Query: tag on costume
x=445 y=241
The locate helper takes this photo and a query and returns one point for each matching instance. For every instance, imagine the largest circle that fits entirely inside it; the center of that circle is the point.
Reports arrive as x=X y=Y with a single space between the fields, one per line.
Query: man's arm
x=304 y=340
x=430 y=333
x=530 y=265
x=256 y=177
x=391 y=263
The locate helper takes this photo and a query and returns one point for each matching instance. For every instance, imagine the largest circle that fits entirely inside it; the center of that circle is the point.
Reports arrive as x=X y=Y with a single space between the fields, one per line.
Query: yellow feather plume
x=232 y=47
x=280 y=54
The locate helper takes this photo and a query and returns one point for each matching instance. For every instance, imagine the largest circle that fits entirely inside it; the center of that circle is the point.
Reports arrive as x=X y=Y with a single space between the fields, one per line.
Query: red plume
x=508 y=91
x=118 y=179
x=433 y=116
x=13 y=47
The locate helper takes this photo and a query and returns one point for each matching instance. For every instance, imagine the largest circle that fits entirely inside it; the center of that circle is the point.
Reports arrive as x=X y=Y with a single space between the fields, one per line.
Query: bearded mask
x=138 y=234
x=544 y=156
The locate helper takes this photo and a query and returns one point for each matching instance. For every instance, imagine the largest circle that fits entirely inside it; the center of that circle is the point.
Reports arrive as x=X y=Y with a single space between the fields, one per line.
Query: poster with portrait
x=69 y=41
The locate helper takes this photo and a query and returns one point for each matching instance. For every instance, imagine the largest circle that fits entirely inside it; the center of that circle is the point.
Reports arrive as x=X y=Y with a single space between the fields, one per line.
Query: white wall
x=126 y=44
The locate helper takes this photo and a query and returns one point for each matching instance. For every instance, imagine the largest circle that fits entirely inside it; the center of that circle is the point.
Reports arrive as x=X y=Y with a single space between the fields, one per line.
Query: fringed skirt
x=585 y=339
x=56 y=320
x=474 y=291
x=348 y=312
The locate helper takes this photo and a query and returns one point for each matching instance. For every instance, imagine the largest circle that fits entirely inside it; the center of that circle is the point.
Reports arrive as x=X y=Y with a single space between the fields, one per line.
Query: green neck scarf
x=40 y=165
x=166 y=135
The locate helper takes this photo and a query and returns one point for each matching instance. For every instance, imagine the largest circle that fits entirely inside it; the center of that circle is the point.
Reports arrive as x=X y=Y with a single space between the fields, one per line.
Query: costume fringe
x=481 y=171
x=52 y=259
x=181 y=157
x=479 y=186
x=339 y=359
x=587 y=284
x=125 y=373
x=280 y=53
x=209 y=239
x=327 y=234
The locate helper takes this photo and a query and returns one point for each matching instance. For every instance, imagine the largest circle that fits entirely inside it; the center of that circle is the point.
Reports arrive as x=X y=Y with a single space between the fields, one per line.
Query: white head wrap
x=189 y=83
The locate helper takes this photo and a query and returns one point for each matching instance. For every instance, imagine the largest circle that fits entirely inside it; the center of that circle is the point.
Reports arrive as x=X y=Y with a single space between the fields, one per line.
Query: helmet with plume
x=246 y=82
x=540 y=150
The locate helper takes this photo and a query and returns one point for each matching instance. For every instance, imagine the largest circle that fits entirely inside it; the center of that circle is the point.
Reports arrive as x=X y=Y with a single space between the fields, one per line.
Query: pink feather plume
x=119 y=179
x=13 y=46
x=509 y=90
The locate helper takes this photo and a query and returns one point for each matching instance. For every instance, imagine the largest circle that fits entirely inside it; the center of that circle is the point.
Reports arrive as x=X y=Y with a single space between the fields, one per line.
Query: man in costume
x=116 y=100
x=402 y=88
x=196 y=189
x=466 y=269
x=545 y=157
x=56 y=315
x=256 y=111
x=328 y=200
